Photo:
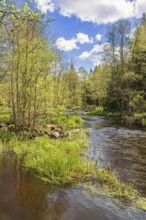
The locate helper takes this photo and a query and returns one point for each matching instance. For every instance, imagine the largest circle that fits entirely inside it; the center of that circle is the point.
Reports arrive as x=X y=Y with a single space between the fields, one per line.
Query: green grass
x=136 y=118
x=113 y=186
x=99 y=111
x=4 y=117
x=64 y=161
x=66 y=121
x=141 y=117
x=56 y=161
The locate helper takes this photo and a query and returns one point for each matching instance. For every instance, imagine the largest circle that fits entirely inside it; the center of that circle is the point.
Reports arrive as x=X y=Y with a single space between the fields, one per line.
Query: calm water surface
x=22 y=197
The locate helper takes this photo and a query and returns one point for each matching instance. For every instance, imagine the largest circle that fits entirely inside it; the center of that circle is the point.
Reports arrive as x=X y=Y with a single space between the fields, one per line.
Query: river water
x=23 y=197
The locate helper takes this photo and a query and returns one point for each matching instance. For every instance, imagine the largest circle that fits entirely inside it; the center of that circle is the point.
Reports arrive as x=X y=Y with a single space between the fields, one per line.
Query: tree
x=119 y=41
x=30 y=59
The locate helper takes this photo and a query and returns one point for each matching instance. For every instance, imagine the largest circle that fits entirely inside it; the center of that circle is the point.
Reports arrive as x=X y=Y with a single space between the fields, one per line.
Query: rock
x=55 y=134
x=51 y=127
x=47 y=133
x=72 y=132
x=2 y=125
x=11 y=127
x=4 y=129
x=67 y=134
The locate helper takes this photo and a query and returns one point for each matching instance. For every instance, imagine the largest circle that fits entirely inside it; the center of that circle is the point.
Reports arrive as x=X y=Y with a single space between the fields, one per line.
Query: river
x=23 y=197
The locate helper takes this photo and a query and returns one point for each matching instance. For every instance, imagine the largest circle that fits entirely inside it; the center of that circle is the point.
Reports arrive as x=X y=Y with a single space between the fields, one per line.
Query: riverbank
x=100 y=111
x=65 y=161
x=127 y=118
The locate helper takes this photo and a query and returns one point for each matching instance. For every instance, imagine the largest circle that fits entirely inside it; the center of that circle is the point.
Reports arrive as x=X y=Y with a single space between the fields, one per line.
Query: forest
x=36 y=82
x=41 y=92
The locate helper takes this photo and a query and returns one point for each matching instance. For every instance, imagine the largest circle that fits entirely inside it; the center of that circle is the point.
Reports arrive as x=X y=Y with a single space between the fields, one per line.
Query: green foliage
x=99 y=111
x=7 y=136
x=63 y=161
x=65 y=121
x=4 y=117
x=114 y=114
x=140 y=117
x=141 y=203
x=95 y=89
x=55 y=161
x=113 y=186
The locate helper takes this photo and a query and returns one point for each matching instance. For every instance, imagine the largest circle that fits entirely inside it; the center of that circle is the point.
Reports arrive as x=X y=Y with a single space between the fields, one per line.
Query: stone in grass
x=55 y=134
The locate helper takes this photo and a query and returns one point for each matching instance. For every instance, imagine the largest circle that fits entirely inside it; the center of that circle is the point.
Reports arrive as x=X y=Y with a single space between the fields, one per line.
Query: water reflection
x=23 y=197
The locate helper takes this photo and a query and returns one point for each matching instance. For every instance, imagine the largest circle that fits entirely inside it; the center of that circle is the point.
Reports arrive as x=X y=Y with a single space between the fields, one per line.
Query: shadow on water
x=23 y=197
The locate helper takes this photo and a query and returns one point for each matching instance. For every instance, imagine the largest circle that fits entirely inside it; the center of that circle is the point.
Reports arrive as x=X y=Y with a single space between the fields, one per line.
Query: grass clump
x=66 y=121
x=7 y=136
x=99 y=111
x=140 y=117
x=141 y=203
x=64 y=161
x=56 y=161
x=136 y=118
x=4 y=117
x=113 y=186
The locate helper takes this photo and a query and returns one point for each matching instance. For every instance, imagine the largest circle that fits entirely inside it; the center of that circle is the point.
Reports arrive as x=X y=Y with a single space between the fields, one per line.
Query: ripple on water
x=123 y=148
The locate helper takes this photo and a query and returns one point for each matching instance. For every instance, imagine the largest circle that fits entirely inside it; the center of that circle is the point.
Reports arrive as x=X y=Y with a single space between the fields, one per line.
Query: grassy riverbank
x=128 y=118
x=61 y=161
x=64 y=161
x=65 y=120
x=99 y=111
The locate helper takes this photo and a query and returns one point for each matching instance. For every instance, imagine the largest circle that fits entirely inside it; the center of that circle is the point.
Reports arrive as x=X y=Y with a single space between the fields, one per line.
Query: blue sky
x=81 y=25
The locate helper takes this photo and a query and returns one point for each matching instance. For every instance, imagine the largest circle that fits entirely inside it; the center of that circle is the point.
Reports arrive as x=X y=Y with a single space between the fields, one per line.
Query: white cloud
x=85 y=55
x=103 y=11
x=68 y=45
x=83 y=38
x=94 y=55
x=98 y=37
x=95 y=11
x=140 y=7
x=44 y=5
x=101 y=53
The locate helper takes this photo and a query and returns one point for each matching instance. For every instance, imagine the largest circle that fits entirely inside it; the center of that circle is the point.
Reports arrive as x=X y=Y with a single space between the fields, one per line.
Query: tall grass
x=65 y=121
x=141 y=117
x=56 y=161
x=4 y=117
